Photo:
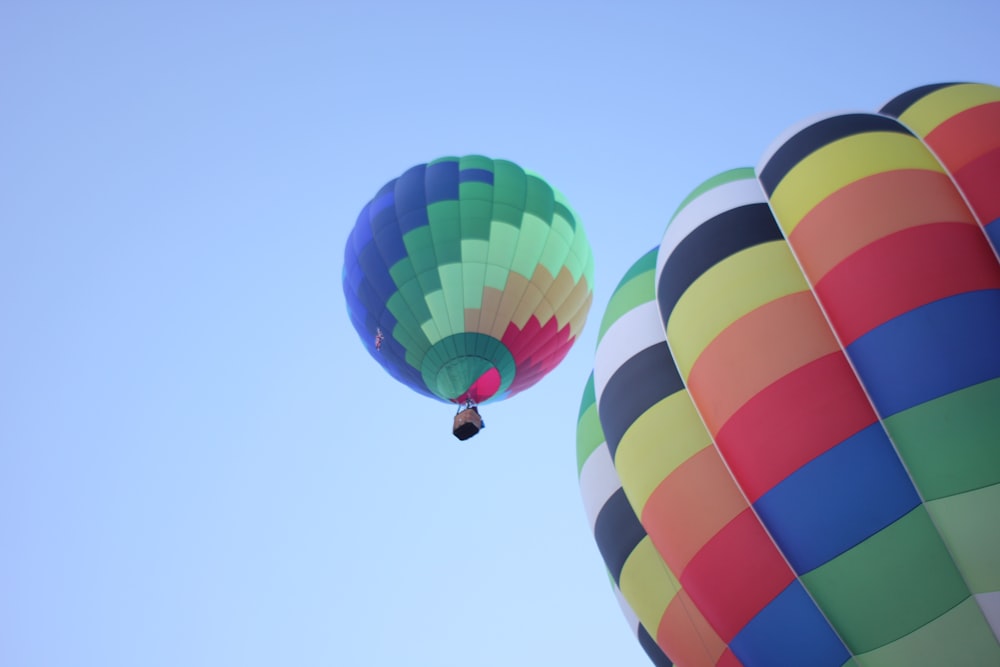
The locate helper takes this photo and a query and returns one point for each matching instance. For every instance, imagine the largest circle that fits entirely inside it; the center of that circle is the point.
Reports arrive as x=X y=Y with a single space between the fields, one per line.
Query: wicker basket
x=467 y=423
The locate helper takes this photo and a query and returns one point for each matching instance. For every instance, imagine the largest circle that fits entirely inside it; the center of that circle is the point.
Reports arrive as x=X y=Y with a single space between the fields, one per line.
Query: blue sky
x=199 y=463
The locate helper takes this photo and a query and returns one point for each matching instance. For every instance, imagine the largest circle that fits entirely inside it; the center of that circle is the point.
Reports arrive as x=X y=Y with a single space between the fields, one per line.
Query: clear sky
x=199 y=463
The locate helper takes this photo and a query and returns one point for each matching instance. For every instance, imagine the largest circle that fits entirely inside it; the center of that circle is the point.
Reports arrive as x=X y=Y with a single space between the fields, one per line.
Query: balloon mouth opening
x=468 y=367
x=485 y=386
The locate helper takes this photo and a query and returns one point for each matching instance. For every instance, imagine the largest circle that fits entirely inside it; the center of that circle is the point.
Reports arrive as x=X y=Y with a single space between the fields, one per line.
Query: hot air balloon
x=468 y=279
x=806 y=418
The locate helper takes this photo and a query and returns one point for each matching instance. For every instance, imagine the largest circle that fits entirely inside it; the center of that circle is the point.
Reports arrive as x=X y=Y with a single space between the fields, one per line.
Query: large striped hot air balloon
x=468 y=279
x=816 y=455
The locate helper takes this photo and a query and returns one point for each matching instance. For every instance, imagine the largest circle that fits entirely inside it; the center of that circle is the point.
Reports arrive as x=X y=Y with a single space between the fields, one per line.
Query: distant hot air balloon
x=809 y=429
x=473 y=276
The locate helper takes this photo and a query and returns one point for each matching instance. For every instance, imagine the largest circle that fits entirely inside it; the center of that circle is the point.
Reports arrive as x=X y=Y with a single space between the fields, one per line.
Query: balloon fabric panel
x=870 y=209
x=646 y=462
x=968 y=421
x=838 y=499
x=719 y=297
x=618 y=408
x=828 y=131
x=846 y=160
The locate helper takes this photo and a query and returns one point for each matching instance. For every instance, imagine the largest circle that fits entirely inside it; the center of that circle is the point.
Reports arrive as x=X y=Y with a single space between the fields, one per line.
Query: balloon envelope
x=474 y=277
x=817 y=464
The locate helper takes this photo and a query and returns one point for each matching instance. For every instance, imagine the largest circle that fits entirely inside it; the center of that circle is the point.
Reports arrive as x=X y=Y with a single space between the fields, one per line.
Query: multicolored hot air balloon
x=805 y=420
x=473 y=278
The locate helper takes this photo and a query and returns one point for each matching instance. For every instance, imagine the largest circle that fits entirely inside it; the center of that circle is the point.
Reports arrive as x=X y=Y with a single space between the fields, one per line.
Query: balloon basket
x=467 y=423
